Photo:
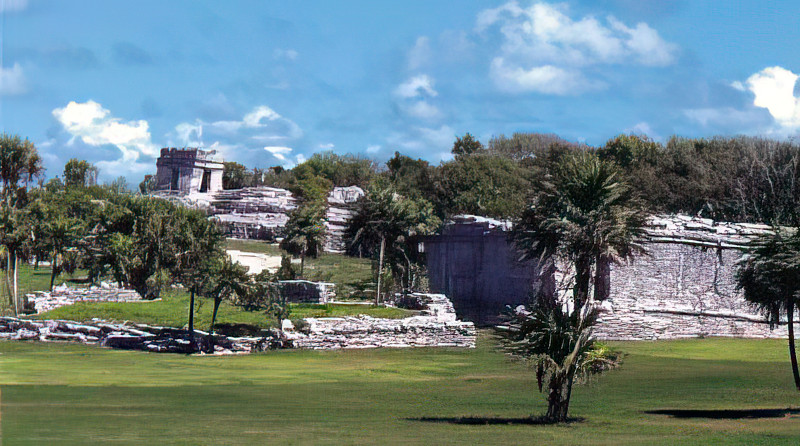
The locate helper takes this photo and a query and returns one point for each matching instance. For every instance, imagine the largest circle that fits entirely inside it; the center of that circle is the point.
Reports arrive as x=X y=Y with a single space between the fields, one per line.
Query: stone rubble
x=64 y=295
x=436 y=326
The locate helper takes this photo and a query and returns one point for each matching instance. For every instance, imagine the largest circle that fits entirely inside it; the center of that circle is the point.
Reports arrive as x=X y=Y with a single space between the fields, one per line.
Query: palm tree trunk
x=792 y=351
x=191 y=314
x=16 y=288
x=8 y=279
x=380 y=272
x=53 y=269
x=302 y=263
x=583 y=276
x=217 y=301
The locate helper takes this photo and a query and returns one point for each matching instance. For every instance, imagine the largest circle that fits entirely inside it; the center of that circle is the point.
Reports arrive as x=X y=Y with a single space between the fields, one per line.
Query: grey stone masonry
x=63 y=295
x=685 y=286
x=436 y=326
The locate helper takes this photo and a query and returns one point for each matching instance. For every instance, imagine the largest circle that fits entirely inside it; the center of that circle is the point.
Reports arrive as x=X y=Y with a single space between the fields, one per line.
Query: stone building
x=188 y=171
x=685 y=286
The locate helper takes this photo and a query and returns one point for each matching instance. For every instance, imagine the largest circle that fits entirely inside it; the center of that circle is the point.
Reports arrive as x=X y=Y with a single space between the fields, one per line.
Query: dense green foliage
x=74 y=394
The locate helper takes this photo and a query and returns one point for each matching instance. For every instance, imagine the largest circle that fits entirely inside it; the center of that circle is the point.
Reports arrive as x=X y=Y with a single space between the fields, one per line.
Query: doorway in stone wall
x=205 y=181
x=176 y=175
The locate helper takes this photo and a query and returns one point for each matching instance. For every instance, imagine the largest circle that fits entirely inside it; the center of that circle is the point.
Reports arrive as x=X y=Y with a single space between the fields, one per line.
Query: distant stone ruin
x=193 y=178
x=684 y=287
x=61 y=296
x=188 y=171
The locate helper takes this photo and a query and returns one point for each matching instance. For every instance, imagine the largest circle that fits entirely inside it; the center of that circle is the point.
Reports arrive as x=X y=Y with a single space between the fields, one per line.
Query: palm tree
x=770 y=279
x=305 y=231
x=561 y=349
x=585 y=214
x=386 y=222
x=60 y=234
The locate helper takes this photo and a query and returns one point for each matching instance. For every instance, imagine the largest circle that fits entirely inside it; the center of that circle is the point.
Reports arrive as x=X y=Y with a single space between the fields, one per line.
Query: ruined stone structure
x=188 y=171
x=63 y=295
x=474 y=264
x=684 y=287
x=435 y=326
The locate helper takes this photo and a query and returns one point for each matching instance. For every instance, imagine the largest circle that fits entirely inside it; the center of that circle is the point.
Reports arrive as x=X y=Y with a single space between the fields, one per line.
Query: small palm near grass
x=560 y=347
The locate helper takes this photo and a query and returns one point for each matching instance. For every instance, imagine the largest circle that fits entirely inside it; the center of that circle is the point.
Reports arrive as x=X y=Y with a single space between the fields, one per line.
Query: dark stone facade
x=473 y=263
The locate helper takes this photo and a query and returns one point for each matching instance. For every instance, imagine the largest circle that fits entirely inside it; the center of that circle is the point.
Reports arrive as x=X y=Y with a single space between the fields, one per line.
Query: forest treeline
x=742 y=178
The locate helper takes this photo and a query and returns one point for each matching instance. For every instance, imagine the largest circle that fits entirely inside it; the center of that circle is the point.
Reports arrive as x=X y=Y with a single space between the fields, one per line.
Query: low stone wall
x=61 y=296
x=300 y=291
x=436 y=326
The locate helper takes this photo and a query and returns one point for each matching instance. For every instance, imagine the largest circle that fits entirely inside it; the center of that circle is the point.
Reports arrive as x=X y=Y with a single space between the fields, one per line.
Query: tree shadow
x=730 y=414
x=492 y=420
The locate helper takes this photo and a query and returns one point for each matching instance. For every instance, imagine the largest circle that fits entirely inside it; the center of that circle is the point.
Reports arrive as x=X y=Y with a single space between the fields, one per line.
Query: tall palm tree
x=586 y=214
x=305 y=231
x=770 y=279
x=60 y=233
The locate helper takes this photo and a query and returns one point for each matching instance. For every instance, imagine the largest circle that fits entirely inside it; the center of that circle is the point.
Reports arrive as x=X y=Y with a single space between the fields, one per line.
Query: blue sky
x=271 y=82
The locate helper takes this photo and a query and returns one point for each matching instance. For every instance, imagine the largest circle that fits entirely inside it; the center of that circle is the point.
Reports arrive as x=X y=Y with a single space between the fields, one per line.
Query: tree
x=148 y=185
x=305 y=231
x=226 y=280
x=384 y=223
x=235 y=176
x=561 y=349
x=770 y=279
x=586 y=215
x=20 y=163
x=467 y=145
x=60 y=234
x=80 y=173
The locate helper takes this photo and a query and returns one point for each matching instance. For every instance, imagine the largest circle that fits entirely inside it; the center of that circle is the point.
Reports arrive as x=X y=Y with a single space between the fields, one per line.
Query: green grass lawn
x=72 y=394
x=172 y=309
x=348 y=273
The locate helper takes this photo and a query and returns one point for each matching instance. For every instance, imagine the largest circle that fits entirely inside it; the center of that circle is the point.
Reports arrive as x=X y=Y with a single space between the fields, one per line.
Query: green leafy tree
x=770 y=279
x=226 y=280
x=304 y=234
x=384 y=223
x=235 y=176
x=60 y=234
x=466 y=145
x=561 y=349
x=148 y=184
x=80 y=173
x=587 y=215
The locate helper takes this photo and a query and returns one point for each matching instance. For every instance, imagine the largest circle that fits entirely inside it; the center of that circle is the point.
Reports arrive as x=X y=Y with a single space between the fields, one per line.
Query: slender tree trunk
x=380 y=272
x=191 y=315
x=302 y=263
x=53 y=269
x=8 y=280
x=583 y=276
x=602 y=278
x=16 y=288
x=792 y=351
x=217 y=301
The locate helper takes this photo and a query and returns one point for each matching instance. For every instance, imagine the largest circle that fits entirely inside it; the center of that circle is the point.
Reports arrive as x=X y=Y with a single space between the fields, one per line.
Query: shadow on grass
x=730 y=414
x=491 y=420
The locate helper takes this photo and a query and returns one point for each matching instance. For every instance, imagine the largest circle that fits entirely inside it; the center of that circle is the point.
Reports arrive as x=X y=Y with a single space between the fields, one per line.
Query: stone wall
x=474 y=264
x=436 y=326
x=680 y=290
x=63 y=295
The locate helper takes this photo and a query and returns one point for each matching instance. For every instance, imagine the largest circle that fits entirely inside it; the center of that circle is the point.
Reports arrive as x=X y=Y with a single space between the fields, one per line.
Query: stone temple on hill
x=193 y=177
x=188 y=170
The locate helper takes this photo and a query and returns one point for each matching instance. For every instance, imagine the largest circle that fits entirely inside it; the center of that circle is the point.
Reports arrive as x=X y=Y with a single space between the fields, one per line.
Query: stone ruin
x=43 y=301
x=188 y=170
x=435 y=326
x=684 y=287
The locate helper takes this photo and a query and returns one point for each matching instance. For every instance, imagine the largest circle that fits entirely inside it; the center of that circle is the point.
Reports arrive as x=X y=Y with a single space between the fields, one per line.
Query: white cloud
x=420 y=53
x=743 y=121
x=12 y=81
x=547 y=79
x=288 y=54
x=253 y=119
x=375 y=148
x=543 y=41
x=416 y=86
x=13 y=5
x=95 y=126
x=422 y=110
x=327 y=146
x=773 y=88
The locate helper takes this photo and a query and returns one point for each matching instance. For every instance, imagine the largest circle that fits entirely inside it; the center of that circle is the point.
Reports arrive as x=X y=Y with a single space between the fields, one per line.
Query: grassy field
x=348 y=273
x=74 y=394
x=172 y=310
